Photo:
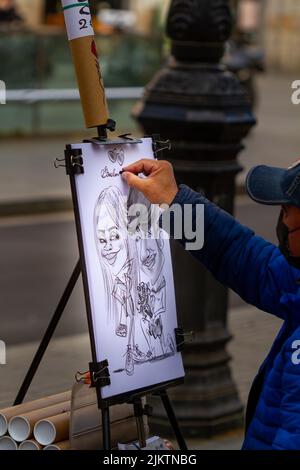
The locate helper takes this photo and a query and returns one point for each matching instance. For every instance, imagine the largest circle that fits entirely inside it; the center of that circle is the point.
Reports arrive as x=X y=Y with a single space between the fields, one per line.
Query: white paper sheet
x=130 y=279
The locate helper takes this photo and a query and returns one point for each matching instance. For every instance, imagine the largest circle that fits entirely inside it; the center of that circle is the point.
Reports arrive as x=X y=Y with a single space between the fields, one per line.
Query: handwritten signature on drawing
x=105 y=173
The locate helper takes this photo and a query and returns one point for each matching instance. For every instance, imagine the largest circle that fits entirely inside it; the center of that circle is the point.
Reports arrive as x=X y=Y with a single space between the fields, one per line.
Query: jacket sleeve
x=255 y=269
x=288 y=433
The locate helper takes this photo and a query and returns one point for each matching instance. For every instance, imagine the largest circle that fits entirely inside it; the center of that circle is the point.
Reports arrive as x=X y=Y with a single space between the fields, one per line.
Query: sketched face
x=151 y=256
x=111 y=240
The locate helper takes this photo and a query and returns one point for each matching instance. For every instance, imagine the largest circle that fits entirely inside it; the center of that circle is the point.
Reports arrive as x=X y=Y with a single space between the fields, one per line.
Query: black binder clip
x=58 y=162
x=74 y=161
x=180 y=336
x=99 y=373
x=82 y=377
x=159 y=146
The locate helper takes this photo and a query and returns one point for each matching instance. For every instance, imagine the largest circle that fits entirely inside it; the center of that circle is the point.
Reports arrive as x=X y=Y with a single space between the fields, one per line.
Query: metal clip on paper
x=99 y=373
x=57 y=162
x=159 y=146
x=180 y=336
x=74 y=161
x=83 y=377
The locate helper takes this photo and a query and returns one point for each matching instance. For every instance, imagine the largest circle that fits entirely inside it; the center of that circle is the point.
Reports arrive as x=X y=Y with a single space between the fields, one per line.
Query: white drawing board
x=129 y=278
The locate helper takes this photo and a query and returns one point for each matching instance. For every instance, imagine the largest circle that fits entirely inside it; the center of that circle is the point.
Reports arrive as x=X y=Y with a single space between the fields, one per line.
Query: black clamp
x=121 y=140
x=99 y=373
x=180 y=336
x=140 y=408
x=74 y=161
x=102 y=132
x=159 y=146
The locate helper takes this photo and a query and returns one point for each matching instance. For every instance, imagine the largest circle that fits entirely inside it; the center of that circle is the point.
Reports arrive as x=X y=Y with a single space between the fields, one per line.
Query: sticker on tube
x=78 y=19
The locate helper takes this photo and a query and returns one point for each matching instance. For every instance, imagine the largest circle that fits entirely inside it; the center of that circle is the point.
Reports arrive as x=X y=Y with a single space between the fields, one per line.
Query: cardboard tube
x=20 y=427
x=64 y=445
x=7 y=443
x=30 y=445
x=85 y=58
x=53 y=429
x=90 y=82
x=7 y=413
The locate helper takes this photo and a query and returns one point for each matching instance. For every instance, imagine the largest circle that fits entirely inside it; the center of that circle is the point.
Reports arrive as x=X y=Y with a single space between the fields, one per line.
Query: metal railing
x=36 y=97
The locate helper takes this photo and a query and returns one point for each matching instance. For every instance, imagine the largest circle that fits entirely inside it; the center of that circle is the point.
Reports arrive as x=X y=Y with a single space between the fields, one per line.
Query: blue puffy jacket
x=259 y=273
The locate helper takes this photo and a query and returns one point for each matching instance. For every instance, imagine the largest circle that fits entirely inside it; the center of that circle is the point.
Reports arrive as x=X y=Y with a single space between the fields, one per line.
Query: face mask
x=283 y=238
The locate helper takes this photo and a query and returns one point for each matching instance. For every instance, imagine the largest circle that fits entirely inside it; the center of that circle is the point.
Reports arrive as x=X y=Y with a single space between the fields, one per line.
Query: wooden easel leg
x=48 y=335
x=173 y=420
x=106 y=428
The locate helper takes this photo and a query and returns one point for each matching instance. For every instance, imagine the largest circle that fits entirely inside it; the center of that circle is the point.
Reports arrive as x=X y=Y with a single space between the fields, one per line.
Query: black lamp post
x=206 y=113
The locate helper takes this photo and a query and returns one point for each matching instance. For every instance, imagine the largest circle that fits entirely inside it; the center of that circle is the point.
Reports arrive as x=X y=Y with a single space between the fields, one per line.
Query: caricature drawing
x=152 y=290
x=118 y=257
x=134 y=281
x=127 y=271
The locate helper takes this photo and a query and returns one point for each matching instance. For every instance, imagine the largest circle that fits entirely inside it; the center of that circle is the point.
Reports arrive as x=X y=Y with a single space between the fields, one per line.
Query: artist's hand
x=159 y=187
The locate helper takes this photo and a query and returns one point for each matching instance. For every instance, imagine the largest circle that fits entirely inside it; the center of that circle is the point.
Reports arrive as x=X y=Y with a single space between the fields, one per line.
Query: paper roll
x=8 y=413
x=30 y=445
x=53 y=429
x=86 y=62
x=7 y=443
x=20 y=427
x=90 y=82
x=64 y=445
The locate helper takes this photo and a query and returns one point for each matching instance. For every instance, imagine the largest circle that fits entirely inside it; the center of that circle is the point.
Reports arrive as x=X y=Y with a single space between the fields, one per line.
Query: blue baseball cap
x=274 y=186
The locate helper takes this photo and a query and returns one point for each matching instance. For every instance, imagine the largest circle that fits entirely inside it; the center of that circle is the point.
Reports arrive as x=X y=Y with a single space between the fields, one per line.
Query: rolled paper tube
x=30 y=445
x=86 y=62
x=20 y=427
x=7 y=443
x=53 y=429
x=8 y=413
x=64 y=445
x=121 y=431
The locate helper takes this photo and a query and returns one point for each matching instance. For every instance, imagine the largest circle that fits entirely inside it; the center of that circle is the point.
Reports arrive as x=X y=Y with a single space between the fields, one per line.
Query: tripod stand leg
x=106 y=428
x=48 y=335
x=173 y=420
x=138 y=411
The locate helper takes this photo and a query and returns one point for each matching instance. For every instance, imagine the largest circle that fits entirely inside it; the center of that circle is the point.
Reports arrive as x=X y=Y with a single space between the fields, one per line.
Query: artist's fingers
x=159 y=187
x=134 y=181
x=145 y=166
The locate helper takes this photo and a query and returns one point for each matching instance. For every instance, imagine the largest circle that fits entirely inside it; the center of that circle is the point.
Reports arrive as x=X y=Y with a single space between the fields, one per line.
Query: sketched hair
x=148 y=219
x=115 y=203
x=136 y=197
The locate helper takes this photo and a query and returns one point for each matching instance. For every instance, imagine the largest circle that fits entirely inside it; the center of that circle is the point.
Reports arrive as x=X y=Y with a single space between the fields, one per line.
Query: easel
x=81 y=38
x=99 y=371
